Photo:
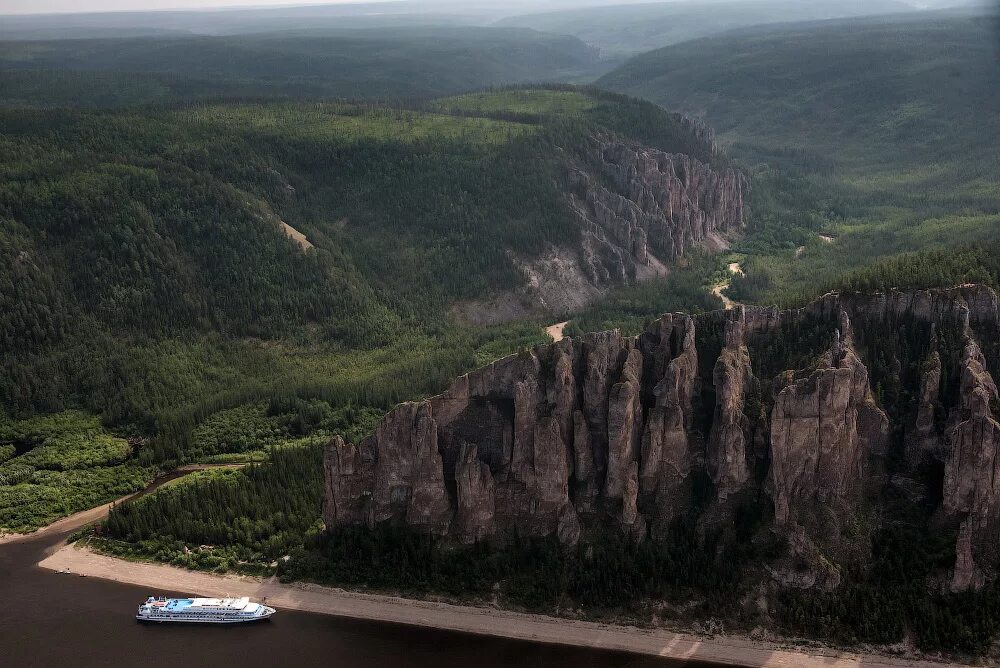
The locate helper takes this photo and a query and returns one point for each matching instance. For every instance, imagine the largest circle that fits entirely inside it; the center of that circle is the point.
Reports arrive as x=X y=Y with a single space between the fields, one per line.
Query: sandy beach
x=729 y=650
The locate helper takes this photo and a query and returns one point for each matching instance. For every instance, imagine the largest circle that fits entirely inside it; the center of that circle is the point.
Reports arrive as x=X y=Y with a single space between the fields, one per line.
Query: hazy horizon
x=37 y=7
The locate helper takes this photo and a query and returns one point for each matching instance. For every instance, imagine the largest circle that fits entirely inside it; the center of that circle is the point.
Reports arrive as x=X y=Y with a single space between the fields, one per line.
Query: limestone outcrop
x=475 y=515
x=640 y=209
x=348 y=485
x=727 y=443
x=631 y=433
x=925 y=438
x=668 y=451
x=824 y=427
x=972 y=471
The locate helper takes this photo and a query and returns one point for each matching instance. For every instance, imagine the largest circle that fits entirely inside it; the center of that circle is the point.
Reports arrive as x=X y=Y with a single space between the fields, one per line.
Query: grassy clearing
x=540 y=102
x=347 y=124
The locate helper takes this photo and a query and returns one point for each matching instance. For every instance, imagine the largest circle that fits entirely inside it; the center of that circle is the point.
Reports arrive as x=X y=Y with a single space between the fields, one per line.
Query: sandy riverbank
x=728 y=650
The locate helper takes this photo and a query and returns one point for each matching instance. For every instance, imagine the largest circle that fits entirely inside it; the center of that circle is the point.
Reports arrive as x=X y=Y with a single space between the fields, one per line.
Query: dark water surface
x=52 y=619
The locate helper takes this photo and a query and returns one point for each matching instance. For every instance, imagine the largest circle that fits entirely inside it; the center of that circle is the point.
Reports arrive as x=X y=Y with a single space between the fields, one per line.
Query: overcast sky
x=456 y=6
x=49 y=6
x=77 y=6
x=46 y=6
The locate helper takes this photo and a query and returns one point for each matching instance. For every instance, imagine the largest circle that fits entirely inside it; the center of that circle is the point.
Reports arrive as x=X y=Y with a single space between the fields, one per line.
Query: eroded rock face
x=971 y=482
x=925 y=437
x=658 y=207
x=624 y=425
x=476 y=511
x=823 y=428
x=528 y=443
x=667 y=457
x=727 y=443
x=639 y=210
x=348 y=485
x=492 y=454
x=668 y=450
x=627 y=432
x=407 y=478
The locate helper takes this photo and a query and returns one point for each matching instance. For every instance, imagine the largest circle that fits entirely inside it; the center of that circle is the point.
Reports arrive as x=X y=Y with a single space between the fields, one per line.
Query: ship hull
x=202 y=611
x=255 y=620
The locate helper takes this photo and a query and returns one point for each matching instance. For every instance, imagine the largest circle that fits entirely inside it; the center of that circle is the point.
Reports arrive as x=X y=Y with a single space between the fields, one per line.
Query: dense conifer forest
x=149 y=275
x=125 y=233
x=201 y=262
x=375 y=63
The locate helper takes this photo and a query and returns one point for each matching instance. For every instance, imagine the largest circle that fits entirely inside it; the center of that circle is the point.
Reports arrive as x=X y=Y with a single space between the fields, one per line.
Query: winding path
x=719 y=290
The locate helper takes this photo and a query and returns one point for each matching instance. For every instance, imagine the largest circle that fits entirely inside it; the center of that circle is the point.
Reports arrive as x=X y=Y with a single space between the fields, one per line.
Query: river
x=52 y=619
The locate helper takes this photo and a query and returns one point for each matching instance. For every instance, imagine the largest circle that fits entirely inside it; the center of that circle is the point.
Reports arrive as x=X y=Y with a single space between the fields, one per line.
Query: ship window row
x=198 y=617
x=198 y=612
x=187 y=614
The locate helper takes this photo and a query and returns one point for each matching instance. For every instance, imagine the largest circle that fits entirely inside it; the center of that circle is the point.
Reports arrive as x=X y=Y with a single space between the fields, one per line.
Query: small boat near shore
x=203 y=610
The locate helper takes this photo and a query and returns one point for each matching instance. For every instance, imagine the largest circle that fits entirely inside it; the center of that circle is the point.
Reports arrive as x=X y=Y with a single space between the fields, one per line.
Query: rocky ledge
x=627 y=433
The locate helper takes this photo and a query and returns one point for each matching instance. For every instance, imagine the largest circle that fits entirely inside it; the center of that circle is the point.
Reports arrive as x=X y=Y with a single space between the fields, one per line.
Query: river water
x=52 y=619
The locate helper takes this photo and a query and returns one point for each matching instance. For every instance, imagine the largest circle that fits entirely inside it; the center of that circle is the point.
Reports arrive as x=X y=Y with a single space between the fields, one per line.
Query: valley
x=626 y=30
x=898 y=172
x=664 y=328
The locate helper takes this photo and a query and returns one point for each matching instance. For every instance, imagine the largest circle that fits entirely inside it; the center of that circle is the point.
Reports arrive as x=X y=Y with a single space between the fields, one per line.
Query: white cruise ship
x=202 y=610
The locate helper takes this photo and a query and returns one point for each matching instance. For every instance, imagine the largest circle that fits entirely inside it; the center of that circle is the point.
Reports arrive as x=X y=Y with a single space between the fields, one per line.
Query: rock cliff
x=727 y=443
x=971 y=480
x=780 y=407
x=825 y=426
x=669 y=453
x=638 y=210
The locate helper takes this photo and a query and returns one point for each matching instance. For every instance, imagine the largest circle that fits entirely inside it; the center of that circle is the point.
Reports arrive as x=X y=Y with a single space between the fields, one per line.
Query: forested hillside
x=146 y=256
x=241 y=248
x=385 y=63
x=867 y=138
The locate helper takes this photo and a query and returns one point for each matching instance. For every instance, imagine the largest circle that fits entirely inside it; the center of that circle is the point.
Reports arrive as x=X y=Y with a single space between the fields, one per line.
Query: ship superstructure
x=203 y=610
